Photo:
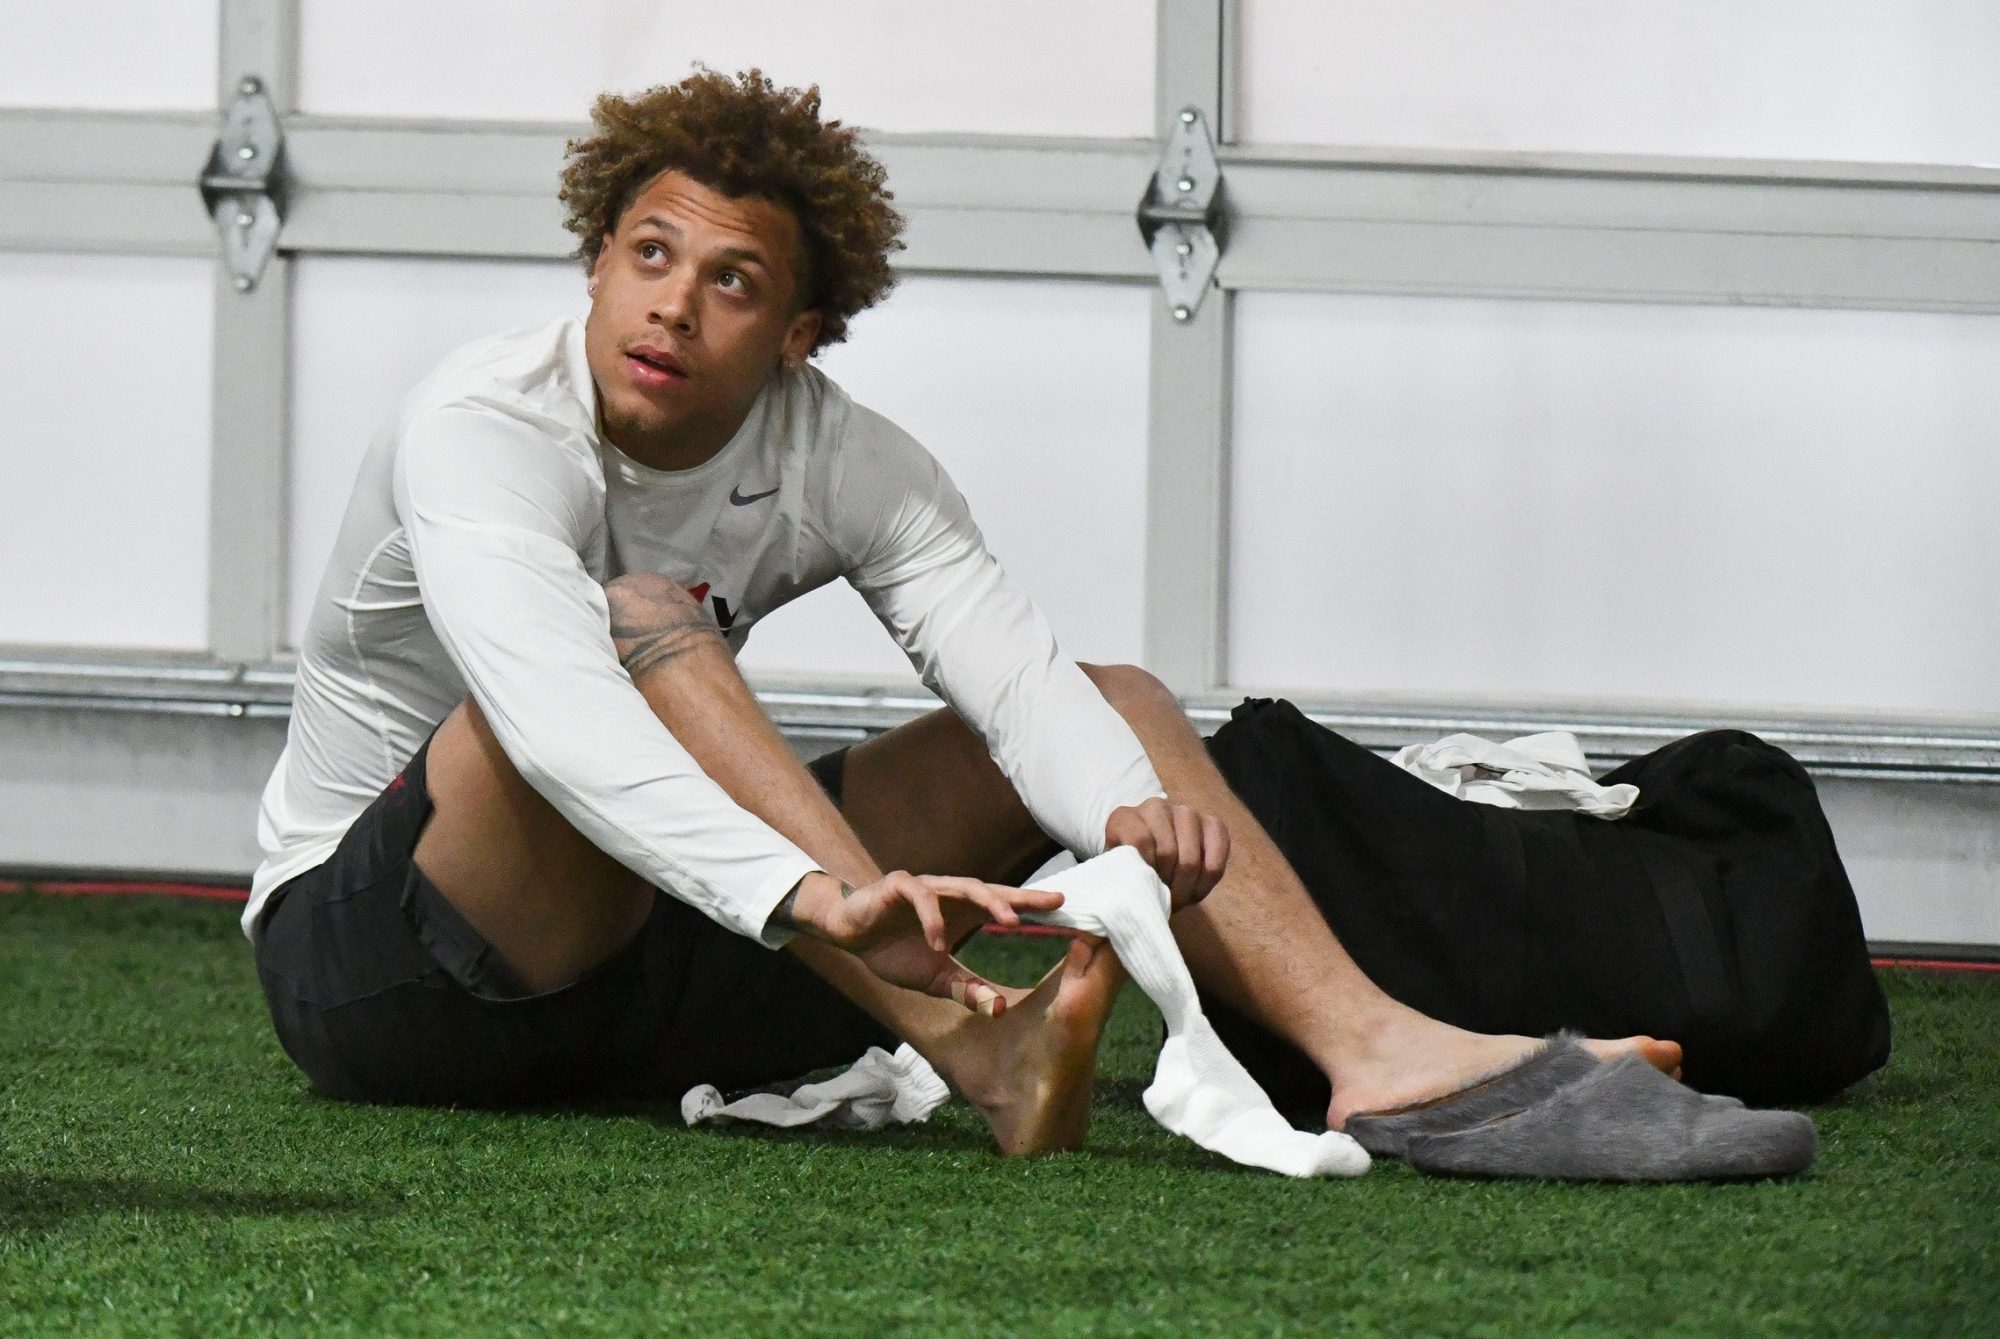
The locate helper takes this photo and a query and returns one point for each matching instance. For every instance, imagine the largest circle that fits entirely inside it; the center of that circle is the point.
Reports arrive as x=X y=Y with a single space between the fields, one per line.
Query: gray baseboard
x=108 y=791
x=1924 y=857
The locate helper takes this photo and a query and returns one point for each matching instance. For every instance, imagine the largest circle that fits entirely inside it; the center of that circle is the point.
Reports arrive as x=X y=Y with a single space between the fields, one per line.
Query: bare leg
x=553 y=906
x=1256 y=941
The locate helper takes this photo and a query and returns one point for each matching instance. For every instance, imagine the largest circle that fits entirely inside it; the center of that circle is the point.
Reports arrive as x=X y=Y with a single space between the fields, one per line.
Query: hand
x=1188 y=849
x=903 y=926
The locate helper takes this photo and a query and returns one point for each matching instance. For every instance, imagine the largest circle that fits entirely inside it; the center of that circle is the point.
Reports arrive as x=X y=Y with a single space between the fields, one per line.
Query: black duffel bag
x=1716 y=913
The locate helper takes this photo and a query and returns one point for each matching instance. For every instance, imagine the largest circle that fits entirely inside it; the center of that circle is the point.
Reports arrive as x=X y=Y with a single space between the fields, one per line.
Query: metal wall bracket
x=1181 y=216
x=243 y=184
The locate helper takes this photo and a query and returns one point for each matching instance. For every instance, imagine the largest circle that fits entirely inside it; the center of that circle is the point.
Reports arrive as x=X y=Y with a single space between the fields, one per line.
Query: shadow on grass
x=30 y=1203
x=1140 y=1148
x=1123 y=1092
x=1142 y=1151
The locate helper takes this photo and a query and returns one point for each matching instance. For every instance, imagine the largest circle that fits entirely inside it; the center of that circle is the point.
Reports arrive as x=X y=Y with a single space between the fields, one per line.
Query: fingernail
x=988 y=1005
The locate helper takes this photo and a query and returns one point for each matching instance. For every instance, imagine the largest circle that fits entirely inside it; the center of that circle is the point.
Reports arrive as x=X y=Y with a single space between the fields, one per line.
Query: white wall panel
x=108 y=54
x=1037 y=67
x=1450 y=497
x=365 y=331
x=104 y=452
x=1852 y=80
x=1033 y=395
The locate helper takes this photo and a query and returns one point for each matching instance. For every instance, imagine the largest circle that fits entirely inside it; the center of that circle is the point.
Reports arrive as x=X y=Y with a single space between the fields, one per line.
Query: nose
x=674 y=300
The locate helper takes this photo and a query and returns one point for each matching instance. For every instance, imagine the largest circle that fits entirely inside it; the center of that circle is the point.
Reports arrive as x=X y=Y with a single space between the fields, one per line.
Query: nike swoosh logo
x=742 y=499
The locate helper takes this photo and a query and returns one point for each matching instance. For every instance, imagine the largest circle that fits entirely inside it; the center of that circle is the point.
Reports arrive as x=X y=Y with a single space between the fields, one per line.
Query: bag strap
x=1507 y=867
x=1504 y=848
x=1691 y=930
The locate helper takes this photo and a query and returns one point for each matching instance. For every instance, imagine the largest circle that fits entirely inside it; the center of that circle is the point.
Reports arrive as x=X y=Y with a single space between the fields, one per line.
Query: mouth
x=654 y=369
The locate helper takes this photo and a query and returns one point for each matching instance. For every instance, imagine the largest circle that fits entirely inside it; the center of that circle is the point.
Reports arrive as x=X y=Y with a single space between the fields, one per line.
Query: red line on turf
x=1938 y=964
x=92 y=888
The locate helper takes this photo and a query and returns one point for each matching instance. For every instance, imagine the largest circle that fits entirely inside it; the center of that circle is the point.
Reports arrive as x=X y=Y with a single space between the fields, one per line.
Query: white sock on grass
x=1199 y=1089
x=877 y=1090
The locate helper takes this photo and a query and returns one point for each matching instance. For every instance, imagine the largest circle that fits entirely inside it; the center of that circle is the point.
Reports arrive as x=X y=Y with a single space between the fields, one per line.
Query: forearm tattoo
x=650 y=638
x=785 y=914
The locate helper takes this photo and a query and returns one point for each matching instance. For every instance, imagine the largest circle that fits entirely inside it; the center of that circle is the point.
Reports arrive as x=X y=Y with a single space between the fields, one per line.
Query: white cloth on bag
x=879 y=1089
x=1199 y=1090
x=1545 y=771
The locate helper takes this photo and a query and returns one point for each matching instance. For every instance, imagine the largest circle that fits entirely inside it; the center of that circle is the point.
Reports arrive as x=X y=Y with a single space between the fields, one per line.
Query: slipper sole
x=1559 y=1063
x=1627 y=1122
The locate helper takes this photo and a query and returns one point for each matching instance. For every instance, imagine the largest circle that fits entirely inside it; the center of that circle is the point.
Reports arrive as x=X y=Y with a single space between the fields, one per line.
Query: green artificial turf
x=163 y=1170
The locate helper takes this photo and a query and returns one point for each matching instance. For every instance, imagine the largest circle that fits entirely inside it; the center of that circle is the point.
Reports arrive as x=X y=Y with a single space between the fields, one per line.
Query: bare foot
x=1664 y=1056
x=1031 y=1071
x=1417 y=1060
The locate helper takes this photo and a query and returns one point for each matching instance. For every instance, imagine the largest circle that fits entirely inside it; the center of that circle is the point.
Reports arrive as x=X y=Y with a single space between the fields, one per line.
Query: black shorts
x=381 y=992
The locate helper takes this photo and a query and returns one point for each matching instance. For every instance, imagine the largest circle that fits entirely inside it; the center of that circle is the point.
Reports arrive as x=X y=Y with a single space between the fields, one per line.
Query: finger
x=992 y=894
x=1214 y=853
x=994 y=902
x=1029 y=899
x=930 y=917
x=1160 y=821
x=1128 y=828
x=1038 y=899
x=1187 y=846
x=990 y=899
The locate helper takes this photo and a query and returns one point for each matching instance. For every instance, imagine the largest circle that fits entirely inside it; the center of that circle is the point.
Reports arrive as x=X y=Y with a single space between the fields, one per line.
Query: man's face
x=694 y=303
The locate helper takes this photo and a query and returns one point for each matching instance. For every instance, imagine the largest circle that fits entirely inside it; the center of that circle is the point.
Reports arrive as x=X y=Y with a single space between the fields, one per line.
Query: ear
x=597 y=266
x=799 y=338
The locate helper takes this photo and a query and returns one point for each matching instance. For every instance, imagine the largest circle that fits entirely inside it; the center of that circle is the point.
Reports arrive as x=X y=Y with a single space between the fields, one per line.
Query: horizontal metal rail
x=1588 y=227
x=1884 y=747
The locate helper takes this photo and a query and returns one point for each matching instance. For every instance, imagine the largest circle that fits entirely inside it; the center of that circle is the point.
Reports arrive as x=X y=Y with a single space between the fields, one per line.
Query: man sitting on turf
x=519 y=721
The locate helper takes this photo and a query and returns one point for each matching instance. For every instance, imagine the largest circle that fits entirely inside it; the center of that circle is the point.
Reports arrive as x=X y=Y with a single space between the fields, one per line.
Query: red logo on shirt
x=724 y=615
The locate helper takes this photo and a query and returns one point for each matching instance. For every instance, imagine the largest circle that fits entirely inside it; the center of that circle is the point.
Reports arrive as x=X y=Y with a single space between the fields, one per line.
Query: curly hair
x=745 y=137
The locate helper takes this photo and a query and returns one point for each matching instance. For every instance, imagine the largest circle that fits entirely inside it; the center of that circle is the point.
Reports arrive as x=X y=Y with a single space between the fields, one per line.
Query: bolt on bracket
x=244 y=183
x=1181 y=216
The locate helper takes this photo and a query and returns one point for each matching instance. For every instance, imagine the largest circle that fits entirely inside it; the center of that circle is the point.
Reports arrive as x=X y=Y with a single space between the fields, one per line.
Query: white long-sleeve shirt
x=487 y=515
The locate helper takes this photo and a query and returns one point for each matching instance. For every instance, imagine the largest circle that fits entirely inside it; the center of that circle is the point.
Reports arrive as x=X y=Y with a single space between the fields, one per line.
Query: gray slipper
x=1559 y=1063
x=1626 y=1122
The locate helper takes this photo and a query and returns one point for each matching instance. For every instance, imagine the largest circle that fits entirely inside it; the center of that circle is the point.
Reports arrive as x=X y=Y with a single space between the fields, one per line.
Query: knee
x=1132 y=691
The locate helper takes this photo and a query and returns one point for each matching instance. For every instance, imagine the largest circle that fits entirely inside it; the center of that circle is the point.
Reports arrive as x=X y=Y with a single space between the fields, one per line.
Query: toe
x=1664 y=1056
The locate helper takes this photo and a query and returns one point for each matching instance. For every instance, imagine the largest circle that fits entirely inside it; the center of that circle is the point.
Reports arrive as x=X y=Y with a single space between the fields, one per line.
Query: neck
x=682 y=450
x=679 y=448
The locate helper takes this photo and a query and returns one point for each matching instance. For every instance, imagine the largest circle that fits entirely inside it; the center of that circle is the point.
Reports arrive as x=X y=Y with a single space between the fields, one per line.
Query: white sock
x=877 y=1090
x=1199 y=1089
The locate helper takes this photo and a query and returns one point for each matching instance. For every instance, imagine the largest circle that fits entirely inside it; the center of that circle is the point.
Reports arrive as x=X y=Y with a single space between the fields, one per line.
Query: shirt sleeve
x=979 y=642
x=497 y=516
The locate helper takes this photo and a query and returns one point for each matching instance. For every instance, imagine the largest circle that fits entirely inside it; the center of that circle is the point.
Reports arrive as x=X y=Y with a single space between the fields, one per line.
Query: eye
x=732 y=281
x=650 y=251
